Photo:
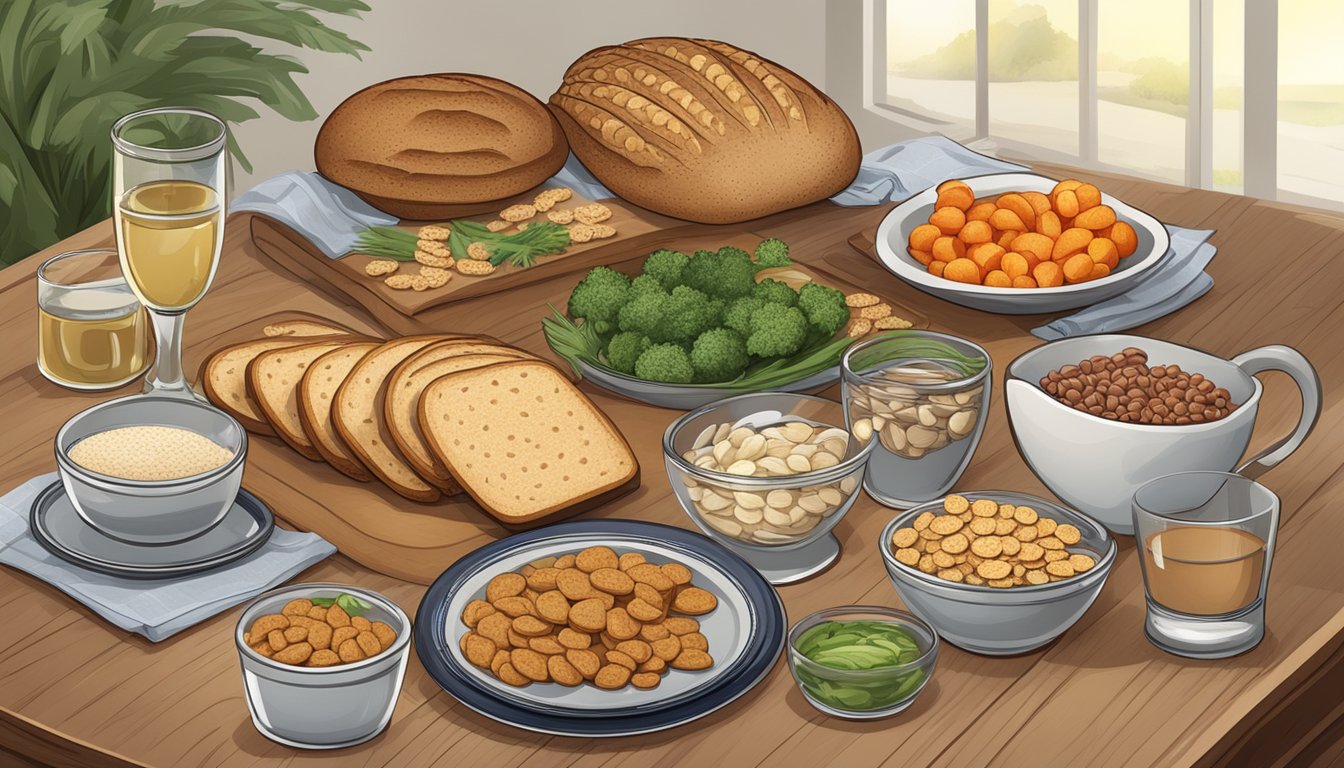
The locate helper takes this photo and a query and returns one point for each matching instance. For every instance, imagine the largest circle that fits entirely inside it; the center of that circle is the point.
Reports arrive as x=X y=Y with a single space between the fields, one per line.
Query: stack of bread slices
x=429 y=416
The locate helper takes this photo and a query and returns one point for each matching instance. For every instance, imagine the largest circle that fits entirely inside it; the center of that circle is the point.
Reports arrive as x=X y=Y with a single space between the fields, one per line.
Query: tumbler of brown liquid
x=92 y=332
x=1206 y=540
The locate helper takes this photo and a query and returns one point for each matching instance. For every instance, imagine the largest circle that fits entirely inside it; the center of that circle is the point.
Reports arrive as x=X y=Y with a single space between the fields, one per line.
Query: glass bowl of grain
x=151 y=469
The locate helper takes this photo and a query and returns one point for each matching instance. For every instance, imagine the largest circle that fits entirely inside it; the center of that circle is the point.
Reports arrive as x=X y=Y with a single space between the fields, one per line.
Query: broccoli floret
x=718 y=355
x=738 y=314
x=625 y=348
x=775 y=292
x=772 y=253
x=667 y=363
x=645 y=284
x=727 y=274
x=687 y=314
x=825 y=307
x=732 y=251
x=665 y=266
x=598 y=298
x=776 y=331
x=643 y=313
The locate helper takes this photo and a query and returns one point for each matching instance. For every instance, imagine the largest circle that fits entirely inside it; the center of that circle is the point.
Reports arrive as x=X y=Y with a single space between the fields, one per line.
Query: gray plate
x=59 y=528
x=685 y=398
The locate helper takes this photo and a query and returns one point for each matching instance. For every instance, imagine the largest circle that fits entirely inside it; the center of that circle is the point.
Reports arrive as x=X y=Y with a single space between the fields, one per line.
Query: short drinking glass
x=924 y=396
x=1206 y=541
x=92 y=333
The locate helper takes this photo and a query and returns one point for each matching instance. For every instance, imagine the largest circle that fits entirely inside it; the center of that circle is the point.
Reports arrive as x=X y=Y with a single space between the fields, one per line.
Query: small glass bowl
x=780 y=523
x=812 y=677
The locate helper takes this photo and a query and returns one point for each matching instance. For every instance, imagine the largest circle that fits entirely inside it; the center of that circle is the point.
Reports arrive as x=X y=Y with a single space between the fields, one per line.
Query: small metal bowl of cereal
x=768 y=475
x=152 y=469
x=958 y=563
x=322 y=663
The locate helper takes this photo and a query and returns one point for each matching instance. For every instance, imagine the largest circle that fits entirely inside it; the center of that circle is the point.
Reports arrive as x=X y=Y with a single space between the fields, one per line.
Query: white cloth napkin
x=161 y=608
x=326 y=214
x=893 y=173
x=1176 y=281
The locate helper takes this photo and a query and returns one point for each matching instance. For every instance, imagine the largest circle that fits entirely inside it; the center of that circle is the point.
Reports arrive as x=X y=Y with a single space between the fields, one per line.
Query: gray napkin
x=326 y=214
x=1176 y=281
x=155 y=609
x=896 y=172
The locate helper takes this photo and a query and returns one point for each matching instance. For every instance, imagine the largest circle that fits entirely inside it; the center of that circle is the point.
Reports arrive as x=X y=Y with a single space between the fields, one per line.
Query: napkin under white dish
x=161 y=608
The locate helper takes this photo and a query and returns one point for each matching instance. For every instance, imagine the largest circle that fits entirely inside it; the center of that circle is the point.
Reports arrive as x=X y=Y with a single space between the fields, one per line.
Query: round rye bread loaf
x=705 y=131
x=440 y=146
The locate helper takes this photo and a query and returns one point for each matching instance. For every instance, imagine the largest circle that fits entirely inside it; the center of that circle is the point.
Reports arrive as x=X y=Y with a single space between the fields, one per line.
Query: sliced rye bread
x=273 y=380
x=316 y=392
x=224 y=374
x=401 y=405
x=357 y=416
x=224 y=379
x=525 y=442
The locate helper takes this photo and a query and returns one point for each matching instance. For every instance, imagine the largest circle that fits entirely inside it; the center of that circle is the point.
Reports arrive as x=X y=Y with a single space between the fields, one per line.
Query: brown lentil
x=1123 y=387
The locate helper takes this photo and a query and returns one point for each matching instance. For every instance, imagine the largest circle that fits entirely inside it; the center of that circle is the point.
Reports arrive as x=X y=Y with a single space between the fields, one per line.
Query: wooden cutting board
x=636 y=229
x=366 y=521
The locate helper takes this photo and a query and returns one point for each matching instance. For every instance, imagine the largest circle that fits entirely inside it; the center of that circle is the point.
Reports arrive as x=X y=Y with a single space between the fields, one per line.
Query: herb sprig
x=521 y=249
x=349 y=603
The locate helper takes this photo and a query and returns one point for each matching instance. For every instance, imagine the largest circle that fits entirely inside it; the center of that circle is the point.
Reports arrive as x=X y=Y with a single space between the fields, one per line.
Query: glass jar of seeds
x=923 y=397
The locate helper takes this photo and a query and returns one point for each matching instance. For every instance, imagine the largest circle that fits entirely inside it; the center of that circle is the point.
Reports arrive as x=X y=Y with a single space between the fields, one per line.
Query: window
x=1156 y=88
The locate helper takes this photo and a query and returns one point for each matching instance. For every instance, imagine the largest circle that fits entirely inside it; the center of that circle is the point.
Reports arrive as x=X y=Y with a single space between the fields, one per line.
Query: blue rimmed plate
x=746 y=634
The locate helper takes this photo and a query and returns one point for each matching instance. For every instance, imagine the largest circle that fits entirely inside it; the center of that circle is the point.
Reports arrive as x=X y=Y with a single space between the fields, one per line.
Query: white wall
x=526 y=42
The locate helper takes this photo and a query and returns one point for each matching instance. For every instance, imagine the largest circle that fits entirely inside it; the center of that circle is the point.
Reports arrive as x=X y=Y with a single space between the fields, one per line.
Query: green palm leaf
x=70 y=68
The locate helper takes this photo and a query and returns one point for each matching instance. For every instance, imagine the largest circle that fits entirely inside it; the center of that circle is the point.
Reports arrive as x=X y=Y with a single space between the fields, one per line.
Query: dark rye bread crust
x=441 y=145
x=705 y=131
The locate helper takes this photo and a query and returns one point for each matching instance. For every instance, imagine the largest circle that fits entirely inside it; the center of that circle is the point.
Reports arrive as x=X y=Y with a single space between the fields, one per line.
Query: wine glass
x=168 y=183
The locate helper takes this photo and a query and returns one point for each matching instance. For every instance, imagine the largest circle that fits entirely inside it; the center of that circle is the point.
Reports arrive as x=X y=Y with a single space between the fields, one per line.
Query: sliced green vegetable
x=855 y=646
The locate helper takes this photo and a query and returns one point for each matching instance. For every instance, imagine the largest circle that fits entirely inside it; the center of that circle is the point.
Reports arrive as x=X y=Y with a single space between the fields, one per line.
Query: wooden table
x=74 y=691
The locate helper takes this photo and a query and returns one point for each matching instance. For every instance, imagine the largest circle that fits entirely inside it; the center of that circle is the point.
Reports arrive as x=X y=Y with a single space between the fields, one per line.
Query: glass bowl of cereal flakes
x=322 y=663
x=997 y=572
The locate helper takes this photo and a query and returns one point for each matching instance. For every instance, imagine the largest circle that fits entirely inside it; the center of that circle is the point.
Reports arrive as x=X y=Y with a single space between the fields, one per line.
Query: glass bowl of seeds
x=769 y=475
x=923 y=398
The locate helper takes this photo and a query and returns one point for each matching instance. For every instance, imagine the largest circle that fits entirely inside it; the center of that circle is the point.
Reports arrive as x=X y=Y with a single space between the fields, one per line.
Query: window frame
x=1259 y=113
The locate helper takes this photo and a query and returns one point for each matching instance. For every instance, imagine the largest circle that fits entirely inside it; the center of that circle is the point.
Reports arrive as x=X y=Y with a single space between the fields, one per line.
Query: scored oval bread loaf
x=703 y=130
x=440 y=146
x=524 y=442
x=409 y=379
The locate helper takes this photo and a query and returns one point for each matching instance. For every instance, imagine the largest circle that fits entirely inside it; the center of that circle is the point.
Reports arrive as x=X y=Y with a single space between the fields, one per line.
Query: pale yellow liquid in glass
x=169 y=238
x=93 y=337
